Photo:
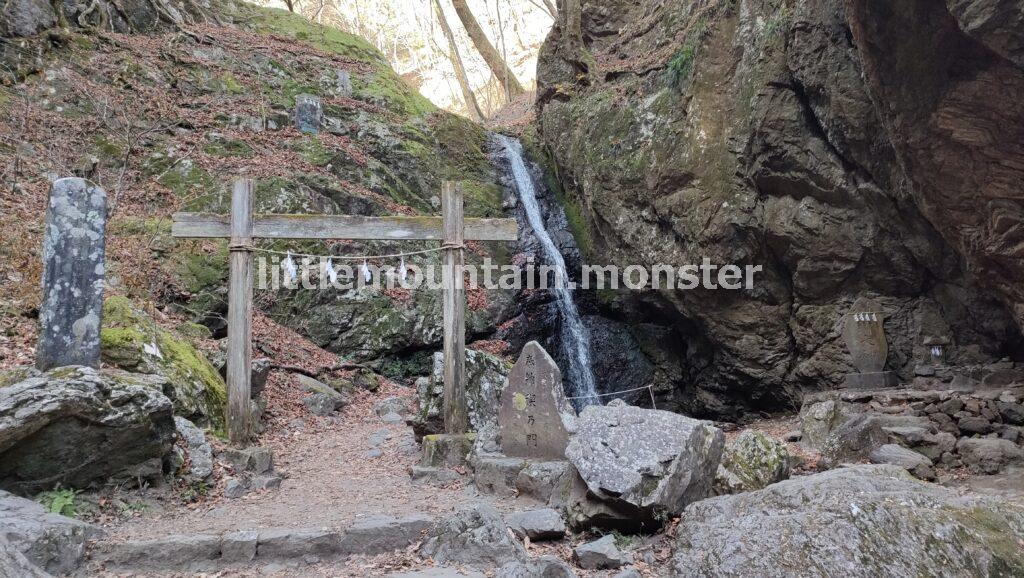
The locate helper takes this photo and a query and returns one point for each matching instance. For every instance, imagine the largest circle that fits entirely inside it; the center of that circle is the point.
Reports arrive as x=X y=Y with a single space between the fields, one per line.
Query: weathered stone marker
x=73 y=269
x=532 y=404
x=865 y=338
x=309 y=113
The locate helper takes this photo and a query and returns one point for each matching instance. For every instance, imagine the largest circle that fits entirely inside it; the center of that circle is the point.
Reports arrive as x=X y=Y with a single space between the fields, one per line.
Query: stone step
x=288 y=546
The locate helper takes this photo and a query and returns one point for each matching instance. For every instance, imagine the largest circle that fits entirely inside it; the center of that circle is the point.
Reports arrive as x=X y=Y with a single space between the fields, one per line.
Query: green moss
x=13 y=376
x=386 y=88
x=194 y=331
x=230 y=84
x=225 y=147
x=482 y=199
x=313 y=151
x=182 y=176
x=131 y=340
x=190 y=364
x=201 y=270
x=285 y=23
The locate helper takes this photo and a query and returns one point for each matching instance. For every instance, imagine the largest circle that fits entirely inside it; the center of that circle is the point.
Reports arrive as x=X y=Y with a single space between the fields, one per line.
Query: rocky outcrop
x=77 y=427
x=485 y=377
x=856 y=521
x=133 y=341
x=651 y=461
x=767 y=133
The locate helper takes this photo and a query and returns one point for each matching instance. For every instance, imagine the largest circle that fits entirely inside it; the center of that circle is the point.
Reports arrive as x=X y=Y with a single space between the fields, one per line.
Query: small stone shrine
x=865 y=338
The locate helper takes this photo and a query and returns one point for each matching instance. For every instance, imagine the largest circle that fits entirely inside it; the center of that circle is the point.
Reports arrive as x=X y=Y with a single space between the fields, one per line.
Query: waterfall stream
x=575 y=338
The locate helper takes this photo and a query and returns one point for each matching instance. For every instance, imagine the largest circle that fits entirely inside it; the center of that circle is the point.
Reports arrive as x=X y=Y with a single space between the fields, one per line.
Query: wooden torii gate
x=242 y=227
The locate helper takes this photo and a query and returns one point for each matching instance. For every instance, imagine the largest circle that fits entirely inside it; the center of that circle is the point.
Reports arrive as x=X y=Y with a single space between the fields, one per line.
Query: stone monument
x=533 y=403
x=73 y=272
x=309 y=113
x=865 y=338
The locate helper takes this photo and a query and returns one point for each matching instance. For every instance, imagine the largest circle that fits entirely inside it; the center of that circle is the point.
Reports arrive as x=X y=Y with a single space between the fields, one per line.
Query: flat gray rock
x=381 y=534
x=649 y=459
x=907 y=459
x=543 y=567
x=601 y=554
x=858 y=521
x=543 y=524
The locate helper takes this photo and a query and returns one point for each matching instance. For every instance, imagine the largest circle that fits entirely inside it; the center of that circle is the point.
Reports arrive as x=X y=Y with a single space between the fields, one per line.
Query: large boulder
x=485 y=378
x=859 y=521
x=133 y=341
x=78 y=427
x=752 y=461
x=32 y=537
x=652 y=460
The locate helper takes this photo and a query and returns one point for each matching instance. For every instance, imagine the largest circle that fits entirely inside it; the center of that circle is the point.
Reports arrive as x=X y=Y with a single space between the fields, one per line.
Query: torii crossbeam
x=242 y=227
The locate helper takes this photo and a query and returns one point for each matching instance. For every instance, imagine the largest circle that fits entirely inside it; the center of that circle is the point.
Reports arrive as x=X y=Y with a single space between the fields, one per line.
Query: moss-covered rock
x=752 y=461
x=132 y=340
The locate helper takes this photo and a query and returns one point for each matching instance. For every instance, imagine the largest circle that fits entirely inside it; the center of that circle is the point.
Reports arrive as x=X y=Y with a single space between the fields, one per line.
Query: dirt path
x=332 y=480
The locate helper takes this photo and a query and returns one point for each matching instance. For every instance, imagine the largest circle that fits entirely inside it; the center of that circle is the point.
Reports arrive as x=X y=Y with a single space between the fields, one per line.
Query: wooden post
x=240 y=314
x=456 y=412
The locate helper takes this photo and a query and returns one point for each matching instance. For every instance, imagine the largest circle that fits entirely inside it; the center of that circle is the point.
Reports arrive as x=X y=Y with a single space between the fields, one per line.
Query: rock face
x=751 y=133
x=48 y=542
x=859 y=521
x=652 y=460
x=752 y=461
x=133 y=341
x=485 y=377
x=76 y=427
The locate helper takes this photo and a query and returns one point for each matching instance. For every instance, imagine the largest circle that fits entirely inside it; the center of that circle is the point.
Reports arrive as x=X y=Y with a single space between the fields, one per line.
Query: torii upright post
x=456 y=411
x=239 y=372
x=242 y=227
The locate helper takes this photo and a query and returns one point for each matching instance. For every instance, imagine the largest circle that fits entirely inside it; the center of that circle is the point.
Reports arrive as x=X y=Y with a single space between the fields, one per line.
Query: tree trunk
x=483 y=45
x=460 y=70
x=551 y=8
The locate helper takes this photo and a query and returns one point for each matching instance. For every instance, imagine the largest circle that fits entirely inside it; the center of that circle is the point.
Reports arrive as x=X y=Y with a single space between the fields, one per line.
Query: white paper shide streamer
x=331 y=273
x=402 y=272
x=290 y=271
x=367 y=276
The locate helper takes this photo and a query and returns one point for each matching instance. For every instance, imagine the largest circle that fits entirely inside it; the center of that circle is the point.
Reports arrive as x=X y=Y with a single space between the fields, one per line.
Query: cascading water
x=575 y=338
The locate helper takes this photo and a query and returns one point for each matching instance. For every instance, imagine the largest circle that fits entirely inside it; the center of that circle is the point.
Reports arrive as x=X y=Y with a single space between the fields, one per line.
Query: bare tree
x=483 y=45
x=290 y=4
x=460 y=70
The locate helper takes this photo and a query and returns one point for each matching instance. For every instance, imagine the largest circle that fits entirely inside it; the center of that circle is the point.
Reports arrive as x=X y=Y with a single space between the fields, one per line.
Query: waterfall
x=575 y=338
